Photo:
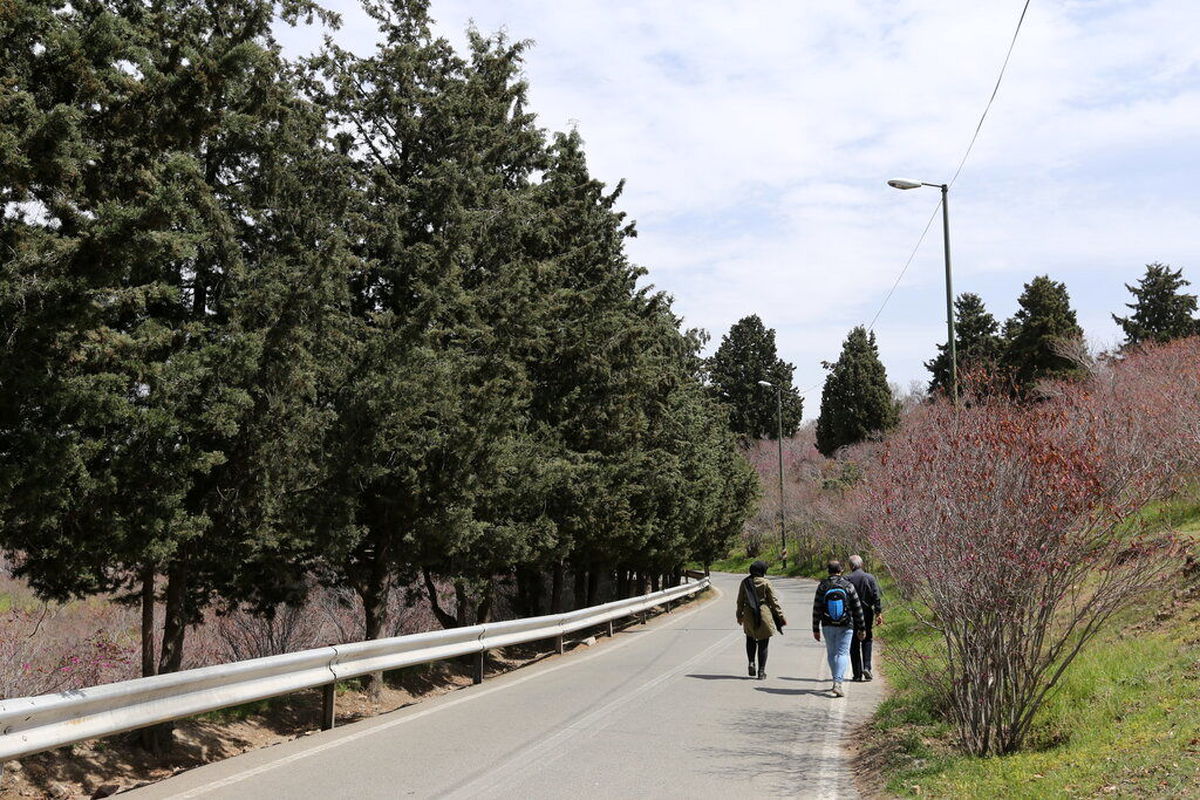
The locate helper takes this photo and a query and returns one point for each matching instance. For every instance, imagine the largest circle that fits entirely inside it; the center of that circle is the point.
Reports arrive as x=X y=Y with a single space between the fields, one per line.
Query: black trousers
x=860 y=651
x=759 y=645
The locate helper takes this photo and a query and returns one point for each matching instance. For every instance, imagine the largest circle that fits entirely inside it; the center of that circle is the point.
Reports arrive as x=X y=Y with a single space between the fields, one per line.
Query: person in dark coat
x=871 y=597
x=760 y=615
x=840 y=630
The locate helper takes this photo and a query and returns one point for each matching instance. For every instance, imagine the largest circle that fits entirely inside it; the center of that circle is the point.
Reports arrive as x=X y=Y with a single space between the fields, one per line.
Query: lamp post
x=779 y=442
x=901 y=183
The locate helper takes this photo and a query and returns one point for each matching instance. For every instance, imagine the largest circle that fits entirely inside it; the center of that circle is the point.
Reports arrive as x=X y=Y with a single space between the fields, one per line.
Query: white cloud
x=756 y=138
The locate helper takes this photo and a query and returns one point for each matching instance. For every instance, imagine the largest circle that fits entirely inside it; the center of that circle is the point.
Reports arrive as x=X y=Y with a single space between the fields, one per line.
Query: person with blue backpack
x=837 y=613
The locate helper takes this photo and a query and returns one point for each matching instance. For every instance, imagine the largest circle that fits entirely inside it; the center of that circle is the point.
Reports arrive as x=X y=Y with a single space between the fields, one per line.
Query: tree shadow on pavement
x=720 y=677
x=784 y=753
x=769 y=690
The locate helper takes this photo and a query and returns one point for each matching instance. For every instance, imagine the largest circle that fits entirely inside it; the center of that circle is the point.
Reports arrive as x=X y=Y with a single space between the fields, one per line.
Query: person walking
x=837 y=613
x=871 y=597
x=760 y=615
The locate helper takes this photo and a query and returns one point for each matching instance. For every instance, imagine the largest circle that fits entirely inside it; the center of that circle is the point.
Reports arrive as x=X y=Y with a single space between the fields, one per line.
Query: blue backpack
x=837 y=604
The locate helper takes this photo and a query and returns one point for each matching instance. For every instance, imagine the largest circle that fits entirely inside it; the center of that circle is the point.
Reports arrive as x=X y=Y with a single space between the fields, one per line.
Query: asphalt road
x=663 y=710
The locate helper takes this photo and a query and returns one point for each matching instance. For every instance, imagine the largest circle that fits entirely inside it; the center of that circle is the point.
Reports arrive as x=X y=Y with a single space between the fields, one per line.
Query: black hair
x=759 y=568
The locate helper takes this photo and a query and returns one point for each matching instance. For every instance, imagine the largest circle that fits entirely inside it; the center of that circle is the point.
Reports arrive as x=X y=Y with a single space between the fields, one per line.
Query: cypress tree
x=856 y=402
x=177 y=292
x=745 y=357
x=1034 y=336
x=977 y=343
x=1161 y=312
x=443 y=152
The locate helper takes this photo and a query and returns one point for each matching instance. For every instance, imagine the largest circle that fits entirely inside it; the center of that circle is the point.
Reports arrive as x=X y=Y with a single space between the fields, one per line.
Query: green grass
x=1124 y=721
x=240 y=713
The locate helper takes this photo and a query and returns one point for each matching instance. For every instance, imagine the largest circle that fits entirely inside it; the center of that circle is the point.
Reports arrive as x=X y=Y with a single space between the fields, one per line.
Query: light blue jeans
x=837 y=649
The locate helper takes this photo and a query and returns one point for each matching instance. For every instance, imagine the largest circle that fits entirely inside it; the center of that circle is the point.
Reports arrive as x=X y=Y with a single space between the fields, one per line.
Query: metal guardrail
x=32 y=724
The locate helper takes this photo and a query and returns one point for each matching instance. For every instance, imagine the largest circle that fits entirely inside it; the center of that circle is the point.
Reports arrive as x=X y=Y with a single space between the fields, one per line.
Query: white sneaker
x=837 y=690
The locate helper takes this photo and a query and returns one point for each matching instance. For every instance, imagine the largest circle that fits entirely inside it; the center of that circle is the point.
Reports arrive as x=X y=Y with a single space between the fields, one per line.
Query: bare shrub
x=285 y=629
x=54 y=648
x=815 y=505
x=1014 y=528
x=328 y=615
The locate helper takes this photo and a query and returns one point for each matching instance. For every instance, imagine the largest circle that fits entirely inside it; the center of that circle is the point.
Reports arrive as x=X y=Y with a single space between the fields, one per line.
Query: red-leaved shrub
x=1016 y=528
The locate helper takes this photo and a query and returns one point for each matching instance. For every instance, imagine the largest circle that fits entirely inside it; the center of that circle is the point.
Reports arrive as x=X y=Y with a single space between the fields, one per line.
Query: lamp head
x=904 y=183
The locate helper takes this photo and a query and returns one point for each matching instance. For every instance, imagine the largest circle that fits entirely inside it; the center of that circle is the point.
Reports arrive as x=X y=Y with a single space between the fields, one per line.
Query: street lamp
x=779 y=442
x=901 y=183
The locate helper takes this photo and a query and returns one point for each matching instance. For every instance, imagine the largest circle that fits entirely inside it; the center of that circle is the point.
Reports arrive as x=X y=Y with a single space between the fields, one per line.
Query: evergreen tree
x=178 y=292
x=1035 y=335
x=425 y=432
x=977 y=343
x=1160 y=311
x=746 y=356
x=856 y=402
x=238 y=350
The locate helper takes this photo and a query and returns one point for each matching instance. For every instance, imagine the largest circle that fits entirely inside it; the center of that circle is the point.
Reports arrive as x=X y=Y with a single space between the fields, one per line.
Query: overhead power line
x=962 y=162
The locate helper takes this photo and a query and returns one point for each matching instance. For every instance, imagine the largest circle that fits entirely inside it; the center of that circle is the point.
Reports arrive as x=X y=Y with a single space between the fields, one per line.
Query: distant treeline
x=356 y=320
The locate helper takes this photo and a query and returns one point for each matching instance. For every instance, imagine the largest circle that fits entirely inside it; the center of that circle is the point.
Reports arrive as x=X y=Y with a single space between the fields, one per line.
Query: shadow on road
x=720 y=677
x=785 y=751
x=769 y=690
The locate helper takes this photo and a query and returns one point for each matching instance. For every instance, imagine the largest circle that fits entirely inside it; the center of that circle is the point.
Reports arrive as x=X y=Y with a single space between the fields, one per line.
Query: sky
x=756 y=138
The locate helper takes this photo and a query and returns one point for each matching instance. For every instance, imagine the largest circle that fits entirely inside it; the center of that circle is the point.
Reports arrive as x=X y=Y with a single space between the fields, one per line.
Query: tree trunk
x=443 y=617
x=463 y=604
x=580 y=587
x=654 y=582
x=150 y=738
x=159 y=739
x=373 y=592
x=147 y=621
x=556 y=589
x=530 y=588
x=374 y=621
x=593 y=586
x=483 y=611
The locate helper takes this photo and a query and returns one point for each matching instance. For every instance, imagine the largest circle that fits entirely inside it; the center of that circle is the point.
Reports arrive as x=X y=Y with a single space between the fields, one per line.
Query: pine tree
x=1160 y=311
x=856 y=402
x=1035 y=335
x=977 y=343
x=746 y=356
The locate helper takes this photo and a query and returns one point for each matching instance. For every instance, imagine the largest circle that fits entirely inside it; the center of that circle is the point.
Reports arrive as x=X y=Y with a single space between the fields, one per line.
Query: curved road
x=663 y=710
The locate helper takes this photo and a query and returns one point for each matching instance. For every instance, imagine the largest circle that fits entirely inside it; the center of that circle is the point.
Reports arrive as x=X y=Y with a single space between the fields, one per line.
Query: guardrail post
x=610 y=629
x=559 y=644
x=643 y=616
x=328 y=691
x=480 y=661
x=669 y=606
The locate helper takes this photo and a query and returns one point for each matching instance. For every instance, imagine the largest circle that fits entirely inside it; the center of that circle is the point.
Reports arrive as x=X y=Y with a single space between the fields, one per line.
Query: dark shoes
x=858 y=679
x=762 y=675
x=866 y=676
x=752 y=670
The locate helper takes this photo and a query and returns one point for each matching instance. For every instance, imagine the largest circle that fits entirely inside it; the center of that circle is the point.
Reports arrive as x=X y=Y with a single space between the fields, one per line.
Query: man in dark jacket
x=837 y=613
x=871 y=597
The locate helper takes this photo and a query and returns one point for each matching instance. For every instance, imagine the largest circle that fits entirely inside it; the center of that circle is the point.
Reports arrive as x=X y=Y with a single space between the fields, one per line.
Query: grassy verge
x=1124 y=722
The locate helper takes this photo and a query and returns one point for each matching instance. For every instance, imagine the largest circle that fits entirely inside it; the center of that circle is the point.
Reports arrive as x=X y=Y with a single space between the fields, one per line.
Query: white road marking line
x=467 y=697
x=826 y=783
